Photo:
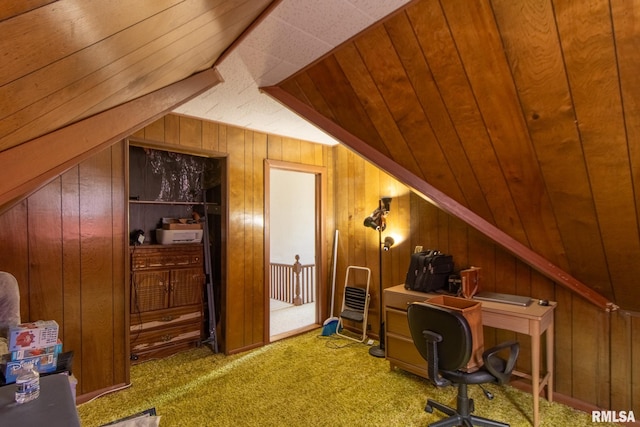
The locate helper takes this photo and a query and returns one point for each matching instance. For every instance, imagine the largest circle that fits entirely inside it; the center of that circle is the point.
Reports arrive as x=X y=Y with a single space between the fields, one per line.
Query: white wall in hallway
x=292 y=216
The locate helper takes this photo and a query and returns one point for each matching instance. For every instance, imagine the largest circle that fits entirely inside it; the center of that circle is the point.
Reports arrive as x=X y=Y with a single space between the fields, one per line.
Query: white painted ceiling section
x=295 y=34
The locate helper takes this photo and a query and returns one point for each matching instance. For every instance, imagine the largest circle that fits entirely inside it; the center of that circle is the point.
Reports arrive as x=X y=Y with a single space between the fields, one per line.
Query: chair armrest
x=432 y=358
x=488 y=355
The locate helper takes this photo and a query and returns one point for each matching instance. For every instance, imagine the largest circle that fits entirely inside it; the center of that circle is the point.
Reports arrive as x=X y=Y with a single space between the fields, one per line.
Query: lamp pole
x=377 y=221
x=378 y=351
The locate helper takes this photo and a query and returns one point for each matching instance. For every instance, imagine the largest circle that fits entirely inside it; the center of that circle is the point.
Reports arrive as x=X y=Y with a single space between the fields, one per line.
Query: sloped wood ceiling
x=525 y=112
x=63 y=61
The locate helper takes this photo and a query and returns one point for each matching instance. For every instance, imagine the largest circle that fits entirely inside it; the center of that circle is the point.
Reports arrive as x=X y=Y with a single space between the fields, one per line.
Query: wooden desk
x=533 y=320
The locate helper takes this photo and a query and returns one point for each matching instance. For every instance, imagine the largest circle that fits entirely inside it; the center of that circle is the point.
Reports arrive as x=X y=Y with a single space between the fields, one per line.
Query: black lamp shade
x=370 y=222
x=386 y=204
x=388 y=242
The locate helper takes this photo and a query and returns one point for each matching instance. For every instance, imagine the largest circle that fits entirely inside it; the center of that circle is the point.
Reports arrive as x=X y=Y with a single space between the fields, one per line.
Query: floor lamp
x=377 y=221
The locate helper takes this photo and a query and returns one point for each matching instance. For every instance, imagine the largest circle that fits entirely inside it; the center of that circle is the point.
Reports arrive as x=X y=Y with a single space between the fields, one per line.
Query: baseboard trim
x=578 y=404
x=84 y=398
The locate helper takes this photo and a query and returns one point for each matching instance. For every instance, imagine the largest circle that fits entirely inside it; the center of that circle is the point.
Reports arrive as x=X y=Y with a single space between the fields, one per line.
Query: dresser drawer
x=148 y=340
x=165 y=318
x=157 y=256
x=163 y=351
x=168 y=260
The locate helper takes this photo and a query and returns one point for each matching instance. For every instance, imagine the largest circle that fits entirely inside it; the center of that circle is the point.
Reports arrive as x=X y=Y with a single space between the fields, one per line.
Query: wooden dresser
x=167 y=287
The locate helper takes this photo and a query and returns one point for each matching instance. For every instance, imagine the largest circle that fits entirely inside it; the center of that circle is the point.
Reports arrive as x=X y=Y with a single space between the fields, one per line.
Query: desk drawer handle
x=167 y=318
x=166 y=338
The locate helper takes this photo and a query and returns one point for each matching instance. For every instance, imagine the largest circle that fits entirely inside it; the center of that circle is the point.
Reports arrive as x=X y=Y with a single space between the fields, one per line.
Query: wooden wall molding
x=441 y=200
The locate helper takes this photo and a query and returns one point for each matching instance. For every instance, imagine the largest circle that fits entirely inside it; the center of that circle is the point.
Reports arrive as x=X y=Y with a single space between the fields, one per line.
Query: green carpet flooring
x=308 y=380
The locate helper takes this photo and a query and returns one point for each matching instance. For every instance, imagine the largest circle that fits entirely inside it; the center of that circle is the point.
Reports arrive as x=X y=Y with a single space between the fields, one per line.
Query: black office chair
x=443 y=338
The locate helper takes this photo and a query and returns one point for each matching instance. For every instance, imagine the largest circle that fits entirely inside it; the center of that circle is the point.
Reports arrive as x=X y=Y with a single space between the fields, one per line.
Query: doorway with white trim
x=292 y=198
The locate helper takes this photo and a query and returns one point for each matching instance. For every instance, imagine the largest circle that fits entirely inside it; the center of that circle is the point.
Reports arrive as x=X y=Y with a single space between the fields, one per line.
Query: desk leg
x=550 y=362
x=535 y=371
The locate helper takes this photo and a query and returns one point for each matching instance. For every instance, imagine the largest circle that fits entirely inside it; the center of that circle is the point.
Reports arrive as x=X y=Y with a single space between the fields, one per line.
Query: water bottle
x=27 y=383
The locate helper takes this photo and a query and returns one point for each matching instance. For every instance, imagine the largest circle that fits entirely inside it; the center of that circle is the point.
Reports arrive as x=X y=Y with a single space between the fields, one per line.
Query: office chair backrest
x=454 y=351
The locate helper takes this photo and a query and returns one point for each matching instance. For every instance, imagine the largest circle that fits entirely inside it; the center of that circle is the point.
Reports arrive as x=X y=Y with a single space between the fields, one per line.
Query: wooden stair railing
x=292 y=283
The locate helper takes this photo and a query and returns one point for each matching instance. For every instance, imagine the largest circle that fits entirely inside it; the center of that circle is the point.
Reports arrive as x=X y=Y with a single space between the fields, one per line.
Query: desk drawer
x=402 y=300
x=397 y=323
x=404 y=351
x=506 y=321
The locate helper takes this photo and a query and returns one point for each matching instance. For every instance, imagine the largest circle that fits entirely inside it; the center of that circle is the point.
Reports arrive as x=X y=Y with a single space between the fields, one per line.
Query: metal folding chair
x=355 y=304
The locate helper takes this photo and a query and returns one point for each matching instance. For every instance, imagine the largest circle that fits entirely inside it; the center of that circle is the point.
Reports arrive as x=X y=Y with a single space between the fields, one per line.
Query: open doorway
x=294 y=236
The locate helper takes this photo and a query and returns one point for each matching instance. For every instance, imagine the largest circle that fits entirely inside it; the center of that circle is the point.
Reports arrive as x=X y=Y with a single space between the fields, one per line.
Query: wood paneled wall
x=596 y=352
x=65 y=245
x=582 y=330
x=245 y=151
x=359 y=186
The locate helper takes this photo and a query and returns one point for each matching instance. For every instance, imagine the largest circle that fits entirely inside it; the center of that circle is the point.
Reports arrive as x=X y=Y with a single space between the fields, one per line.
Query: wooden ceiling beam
x=441 y=200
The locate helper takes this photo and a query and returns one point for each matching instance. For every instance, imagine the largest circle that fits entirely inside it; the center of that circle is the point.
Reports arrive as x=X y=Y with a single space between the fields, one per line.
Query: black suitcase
x=428 y=271
x=416 y=267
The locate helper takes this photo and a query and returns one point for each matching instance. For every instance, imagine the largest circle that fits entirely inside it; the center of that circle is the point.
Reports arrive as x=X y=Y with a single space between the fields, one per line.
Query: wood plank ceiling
x=524 y=112
x=63 y=61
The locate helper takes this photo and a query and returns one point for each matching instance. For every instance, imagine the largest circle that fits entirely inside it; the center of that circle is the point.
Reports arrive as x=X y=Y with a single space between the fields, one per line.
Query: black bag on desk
x=428 y=271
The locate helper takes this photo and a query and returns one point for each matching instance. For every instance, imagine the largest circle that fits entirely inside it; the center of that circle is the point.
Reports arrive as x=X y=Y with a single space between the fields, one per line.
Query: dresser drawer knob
x=167 y=318
x=167 y=338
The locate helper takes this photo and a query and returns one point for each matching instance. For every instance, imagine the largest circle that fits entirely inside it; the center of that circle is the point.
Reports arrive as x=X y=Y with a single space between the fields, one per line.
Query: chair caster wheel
x=429 y=409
